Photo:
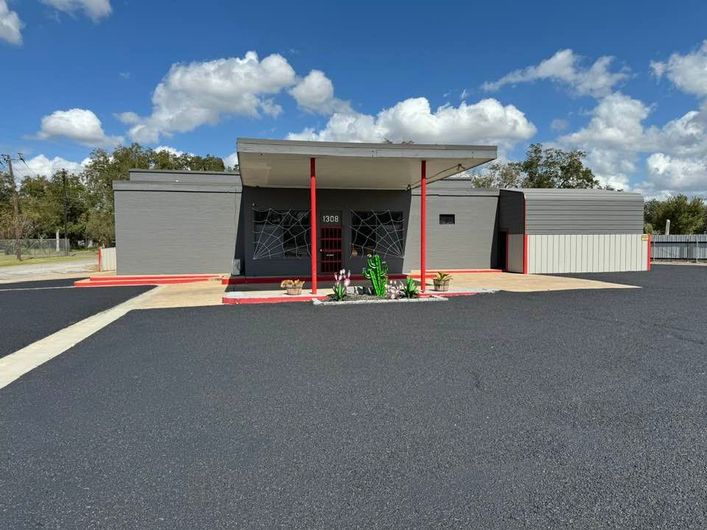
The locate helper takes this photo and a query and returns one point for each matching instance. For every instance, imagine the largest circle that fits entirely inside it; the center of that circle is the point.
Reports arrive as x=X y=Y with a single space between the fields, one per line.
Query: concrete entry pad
x=527 y=283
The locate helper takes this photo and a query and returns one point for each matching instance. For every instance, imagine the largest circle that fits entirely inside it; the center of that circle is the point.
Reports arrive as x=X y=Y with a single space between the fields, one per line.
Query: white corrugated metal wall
x=564 y=253
x=107 y=261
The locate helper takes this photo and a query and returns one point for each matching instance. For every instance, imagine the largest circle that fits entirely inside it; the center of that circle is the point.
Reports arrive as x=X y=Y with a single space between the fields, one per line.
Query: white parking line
x=37 y=288
x=15 y=365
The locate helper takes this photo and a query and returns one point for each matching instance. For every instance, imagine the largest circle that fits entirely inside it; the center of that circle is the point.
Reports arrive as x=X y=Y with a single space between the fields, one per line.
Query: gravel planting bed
x=357 y=299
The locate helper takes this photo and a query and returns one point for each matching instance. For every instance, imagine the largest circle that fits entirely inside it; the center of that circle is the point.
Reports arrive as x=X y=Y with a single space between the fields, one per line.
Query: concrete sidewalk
x=523 y=283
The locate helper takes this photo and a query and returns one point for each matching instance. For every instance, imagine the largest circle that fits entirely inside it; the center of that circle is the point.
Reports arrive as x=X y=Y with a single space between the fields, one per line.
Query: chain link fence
x=34 y=247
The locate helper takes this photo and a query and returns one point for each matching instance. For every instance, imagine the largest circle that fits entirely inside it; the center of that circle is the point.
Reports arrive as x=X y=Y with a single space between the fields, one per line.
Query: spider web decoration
x=280 y=233
x=378 y=232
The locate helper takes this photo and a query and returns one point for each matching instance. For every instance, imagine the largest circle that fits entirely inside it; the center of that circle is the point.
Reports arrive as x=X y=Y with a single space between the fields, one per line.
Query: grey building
x=369 y=199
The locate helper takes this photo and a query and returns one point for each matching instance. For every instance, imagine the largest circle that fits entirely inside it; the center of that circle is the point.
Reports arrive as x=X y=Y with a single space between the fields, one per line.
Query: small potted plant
x=293 y=287
x=441 y=281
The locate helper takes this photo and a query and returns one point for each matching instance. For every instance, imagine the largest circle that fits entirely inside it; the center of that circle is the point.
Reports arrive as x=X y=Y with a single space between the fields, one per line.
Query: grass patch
x=75 y=255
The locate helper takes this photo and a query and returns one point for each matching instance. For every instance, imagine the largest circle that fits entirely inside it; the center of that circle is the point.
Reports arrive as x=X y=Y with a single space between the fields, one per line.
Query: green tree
x=498 y=175
x=687 y=216
x=549 y=167
x=103 y=168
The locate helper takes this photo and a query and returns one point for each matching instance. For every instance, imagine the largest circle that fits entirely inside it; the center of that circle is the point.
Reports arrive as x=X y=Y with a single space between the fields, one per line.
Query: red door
x=330 y=241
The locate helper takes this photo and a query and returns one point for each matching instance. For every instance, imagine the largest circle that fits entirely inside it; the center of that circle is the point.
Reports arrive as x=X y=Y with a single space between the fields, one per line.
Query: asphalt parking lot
x=563 y=409
x=30 y=311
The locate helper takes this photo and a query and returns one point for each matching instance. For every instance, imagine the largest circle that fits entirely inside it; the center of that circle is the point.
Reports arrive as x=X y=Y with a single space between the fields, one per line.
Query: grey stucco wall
x=175 y=232
x=470 y=243
x=169 y=227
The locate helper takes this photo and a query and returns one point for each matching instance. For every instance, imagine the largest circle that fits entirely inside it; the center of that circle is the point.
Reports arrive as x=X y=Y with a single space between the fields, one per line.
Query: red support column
x=525 y=237
x=423 y=224
x=314 y=250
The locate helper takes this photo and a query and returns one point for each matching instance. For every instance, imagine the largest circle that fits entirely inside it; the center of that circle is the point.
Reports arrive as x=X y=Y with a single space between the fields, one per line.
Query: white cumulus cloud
x=10 y=24
x=79 y=125
x=315 y=93
x=199 y=93
x=616 y=137
x=688 y=72
x=487 y=121
x=617 y=122
x=93 y=9
x=42 y=166
x=566 y=67
x=677 y=174
x=231 y=160
x=168 y=149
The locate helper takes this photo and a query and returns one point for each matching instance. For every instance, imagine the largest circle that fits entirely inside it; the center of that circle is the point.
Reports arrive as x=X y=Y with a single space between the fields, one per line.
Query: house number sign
x=331 y=218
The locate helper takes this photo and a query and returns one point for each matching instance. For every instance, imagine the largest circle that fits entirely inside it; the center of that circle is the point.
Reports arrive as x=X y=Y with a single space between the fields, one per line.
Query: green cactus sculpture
x=376 y=271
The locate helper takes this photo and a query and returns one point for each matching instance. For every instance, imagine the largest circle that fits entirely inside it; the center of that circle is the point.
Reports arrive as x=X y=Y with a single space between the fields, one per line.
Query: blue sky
x=625 y=81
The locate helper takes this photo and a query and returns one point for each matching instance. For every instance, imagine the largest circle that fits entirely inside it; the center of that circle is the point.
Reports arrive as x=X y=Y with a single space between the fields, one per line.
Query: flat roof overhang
x=346 y=165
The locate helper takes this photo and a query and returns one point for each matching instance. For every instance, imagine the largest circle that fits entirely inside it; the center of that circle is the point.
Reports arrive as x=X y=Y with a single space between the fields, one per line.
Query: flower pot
x=441 y=285
x=294 y=290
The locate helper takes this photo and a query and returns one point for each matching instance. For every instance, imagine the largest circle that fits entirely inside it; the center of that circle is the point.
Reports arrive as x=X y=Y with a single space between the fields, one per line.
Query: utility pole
x=66 y=205
x=15 y=208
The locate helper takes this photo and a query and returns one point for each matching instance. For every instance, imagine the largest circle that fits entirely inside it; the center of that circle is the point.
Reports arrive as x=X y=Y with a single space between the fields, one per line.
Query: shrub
x=409 y=288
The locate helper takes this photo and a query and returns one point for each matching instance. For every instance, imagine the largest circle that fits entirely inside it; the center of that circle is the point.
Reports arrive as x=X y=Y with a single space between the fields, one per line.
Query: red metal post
x=423 y=224
x=525 y=236
x=314 y=250
x=650 y=252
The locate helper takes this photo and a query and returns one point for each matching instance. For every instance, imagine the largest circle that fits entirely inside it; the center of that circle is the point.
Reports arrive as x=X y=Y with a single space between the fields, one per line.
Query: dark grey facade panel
x=470 y=243
x=166 y=232
x=340 y=202
x=511 y=212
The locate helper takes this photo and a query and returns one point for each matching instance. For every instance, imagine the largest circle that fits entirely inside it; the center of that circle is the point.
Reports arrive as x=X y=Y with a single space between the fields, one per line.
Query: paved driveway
x=581 y=409
x=30 y=311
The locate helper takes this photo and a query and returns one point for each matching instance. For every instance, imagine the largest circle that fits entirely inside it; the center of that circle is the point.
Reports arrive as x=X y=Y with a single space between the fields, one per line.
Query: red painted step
x=157 y=279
